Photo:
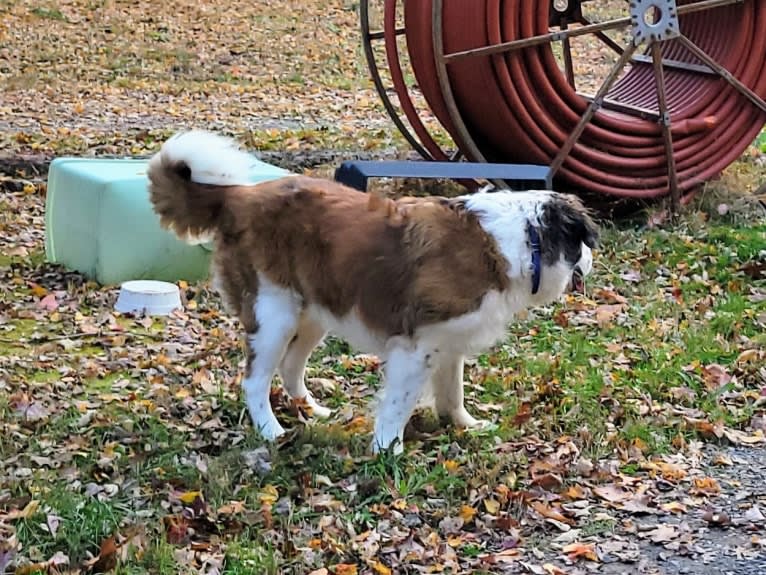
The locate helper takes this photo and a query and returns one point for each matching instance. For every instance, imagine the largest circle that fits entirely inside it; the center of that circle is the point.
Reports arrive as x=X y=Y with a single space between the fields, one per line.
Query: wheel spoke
x=602 y=36
x=568 y=64
x=723 y=72
x=372 y=65
x=381 y=34
x=662 y=103
x=541 y=39
x=592 y=108
x=706 y=5
x=463 y=135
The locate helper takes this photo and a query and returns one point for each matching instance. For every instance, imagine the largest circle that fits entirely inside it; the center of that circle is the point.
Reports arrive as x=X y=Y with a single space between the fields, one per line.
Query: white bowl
x=148 y=296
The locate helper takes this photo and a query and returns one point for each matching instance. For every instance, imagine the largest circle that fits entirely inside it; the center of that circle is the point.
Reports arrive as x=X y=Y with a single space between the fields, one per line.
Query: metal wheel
x=682 y=99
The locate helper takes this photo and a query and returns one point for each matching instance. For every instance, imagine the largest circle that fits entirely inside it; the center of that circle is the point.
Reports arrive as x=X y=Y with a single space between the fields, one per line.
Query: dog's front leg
x=406 y=372
x=292 y=370
x=449 y=394
x=276 y=317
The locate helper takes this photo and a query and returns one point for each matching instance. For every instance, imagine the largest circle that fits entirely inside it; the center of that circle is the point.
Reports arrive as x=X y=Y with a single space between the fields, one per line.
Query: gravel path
x=727 y=548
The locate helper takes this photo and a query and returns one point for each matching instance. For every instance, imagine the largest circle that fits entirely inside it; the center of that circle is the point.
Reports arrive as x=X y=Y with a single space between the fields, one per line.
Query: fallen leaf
x=345 y=569
x=48 y=303
x=612 y=493
x=747 y=356
x=605 y=314
x=638 y=504
x=706 y=486
x=663 y=534
x=577 y=550
x=467 y=513
x=107 y=557
x=722 y=459
x=754 y=515
x=190 y=497
x=609 y=296
x=491 y=506
x=673 y=507
x=176 y=528
x=268 y=495
x=715 y=376
x=550 y=513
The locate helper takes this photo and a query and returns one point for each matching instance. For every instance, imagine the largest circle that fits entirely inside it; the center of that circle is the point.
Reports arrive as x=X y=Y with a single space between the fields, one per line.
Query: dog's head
x=569 y=235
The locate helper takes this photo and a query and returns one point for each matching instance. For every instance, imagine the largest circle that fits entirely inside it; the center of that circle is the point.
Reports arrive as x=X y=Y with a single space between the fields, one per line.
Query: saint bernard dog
x=419 y=282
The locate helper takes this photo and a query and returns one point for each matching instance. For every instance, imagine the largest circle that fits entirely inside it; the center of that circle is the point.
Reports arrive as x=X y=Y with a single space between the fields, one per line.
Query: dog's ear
x=568 y=224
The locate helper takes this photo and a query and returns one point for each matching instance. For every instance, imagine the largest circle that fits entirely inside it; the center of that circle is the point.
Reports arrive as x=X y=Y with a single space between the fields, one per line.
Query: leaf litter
x=143 y=415
x=633 y=451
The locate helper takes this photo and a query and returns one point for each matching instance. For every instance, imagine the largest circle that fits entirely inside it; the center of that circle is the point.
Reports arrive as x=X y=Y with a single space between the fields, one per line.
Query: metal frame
x=627 y=55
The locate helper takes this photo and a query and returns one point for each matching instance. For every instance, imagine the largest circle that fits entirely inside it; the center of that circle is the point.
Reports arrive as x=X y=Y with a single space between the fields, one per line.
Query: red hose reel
x=683 y=100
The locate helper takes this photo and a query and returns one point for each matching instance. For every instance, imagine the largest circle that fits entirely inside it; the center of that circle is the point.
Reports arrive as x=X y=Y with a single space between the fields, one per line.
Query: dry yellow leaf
x=575 y=550
x=491 y=506
x=467 y=513
x=190 y=497
x=673 y=507
x=268 y=495
x=345 y=569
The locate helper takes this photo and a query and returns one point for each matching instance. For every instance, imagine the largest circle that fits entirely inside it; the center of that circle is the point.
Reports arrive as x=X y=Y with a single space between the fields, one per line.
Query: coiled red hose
x=518 y=106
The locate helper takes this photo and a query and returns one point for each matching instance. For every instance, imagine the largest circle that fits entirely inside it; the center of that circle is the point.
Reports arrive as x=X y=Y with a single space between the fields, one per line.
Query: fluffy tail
x=185 y=179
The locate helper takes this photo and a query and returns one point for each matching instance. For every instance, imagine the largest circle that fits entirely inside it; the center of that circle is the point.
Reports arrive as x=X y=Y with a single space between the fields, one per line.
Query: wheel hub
x=653 y=20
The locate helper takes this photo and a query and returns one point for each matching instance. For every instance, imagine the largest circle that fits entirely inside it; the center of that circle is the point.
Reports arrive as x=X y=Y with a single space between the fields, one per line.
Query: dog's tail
x=189 y=178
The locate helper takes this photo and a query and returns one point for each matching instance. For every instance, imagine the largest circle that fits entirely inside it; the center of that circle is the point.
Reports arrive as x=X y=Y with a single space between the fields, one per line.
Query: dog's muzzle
x=577 y=282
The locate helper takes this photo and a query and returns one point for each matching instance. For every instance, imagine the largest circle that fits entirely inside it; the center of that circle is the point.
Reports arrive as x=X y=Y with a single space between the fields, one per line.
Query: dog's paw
x=269 y=430
x=464 y=419
x=320 y=411
x=317 y=410
x=380 y=445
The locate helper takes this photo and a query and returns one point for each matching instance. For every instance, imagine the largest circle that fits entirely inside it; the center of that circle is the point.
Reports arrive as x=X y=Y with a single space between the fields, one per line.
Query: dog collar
x=534 y=240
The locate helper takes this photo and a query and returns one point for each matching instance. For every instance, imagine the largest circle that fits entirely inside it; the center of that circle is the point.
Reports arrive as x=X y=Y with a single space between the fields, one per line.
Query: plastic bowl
x=148 y=296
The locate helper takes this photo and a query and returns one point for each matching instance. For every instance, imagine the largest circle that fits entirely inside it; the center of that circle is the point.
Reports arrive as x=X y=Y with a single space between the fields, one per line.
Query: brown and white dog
x=420 y=282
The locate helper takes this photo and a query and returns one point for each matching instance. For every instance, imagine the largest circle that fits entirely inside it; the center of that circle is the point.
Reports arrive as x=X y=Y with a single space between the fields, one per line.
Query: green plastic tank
x=99 y=221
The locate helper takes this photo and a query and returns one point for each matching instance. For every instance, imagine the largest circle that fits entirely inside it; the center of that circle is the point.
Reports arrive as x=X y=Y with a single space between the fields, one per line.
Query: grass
x=132 y=432
x=559 y=374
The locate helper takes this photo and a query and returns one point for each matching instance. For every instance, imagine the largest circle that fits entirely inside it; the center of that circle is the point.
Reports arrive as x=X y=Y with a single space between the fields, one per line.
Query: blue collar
x=534 y=240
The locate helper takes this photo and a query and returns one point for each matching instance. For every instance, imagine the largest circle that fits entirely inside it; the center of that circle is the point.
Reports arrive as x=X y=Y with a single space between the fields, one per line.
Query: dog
x=419 y=282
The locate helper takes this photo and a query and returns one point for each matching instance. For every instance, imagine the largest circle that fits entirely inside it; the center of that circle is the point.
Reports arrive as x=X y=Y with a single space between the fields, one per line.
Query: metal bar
x=568 y=64
x=629 y=109
x=602 y=36
x=456 y=156
x=705 y=5
x=592 y=108
x=380 y=34
x=572 y=32
x=667 y=136
x=675 y=64
x=464 y=137
x=723 y=72
x=537 y=40
x=378 y=82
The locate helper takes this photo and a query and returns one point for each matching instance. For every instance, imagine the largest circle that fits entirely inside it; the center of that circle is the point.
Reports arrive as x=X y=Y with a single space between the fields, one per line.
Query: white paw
x=317 y=410
x=383 y=444
x=464 y=419
x=270 y=429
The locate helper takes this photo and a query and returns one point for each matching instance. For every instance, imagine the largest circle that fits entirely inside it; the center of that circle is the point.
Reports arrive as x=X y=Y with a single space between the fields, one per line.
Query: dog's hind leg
x=277 y=310
x=448 y=392
x=406 y=372
x=293 y=367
